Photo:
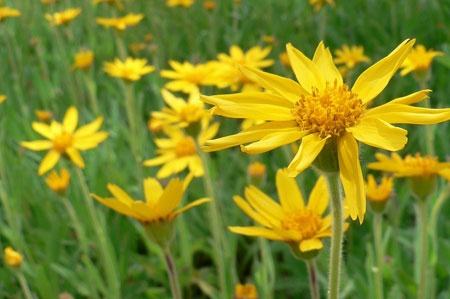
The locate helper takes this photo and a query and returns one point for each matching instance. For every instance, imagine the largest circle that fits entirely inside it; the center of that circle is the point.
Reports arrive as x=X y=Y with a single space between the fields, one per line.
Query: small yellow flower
x=268 y=39
x=302 y=226
x=209 y=5
x=121 y=23
x=137 y=47
x=63 y=17
x=12 y=257
x=155 y=125
x=350 y=56
x=2 y=98
x=111 y=2
x=58 y=182
x=318 y=4
x=44 y=115
x=65 y=140
x=257 y=173
x=47 y=2
x=245 y=291
x=419 y=60
x=284 y=59
x=188 y=78
x=6 y=12
x=83 y=60
x=129 y=70
x=185 y=3
x=381 y=192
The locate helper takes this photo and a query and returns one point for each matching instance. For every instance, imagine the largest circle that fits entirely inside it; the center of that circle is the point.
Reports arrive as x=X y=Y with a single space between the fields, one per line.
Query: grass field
x=75 y=247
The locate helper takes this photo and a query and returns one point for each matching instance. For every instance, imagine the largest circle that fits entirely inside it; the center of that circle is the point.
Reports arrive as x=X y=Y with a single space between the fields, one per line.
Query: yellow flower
x=230 y=73
x=257 y=174
x=58 y=182
x=121 y=23
x=6 y=12
x=284 y=59
x=209 y=4
x=155 y=125
x=2 y=98
x=180 y=112
x=350 y=56
x=180 y=151
x=63 y=17
x=185 y=3
x=64 y=139
x=245 y=291
x=317 y=4
x=44 y=115
x=324 y=113
x=418 y=60
x=12 y=257
x=129 y=70
x=291 y=221
x=47 y=2
x=381 y=192
x=83 y=60
x=111 y=2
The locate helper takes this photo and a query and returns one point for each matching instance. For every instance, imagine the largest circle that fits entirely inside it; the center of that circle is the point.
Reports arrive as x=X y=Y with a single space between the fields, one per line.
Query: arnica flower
x=378 y=195
x=44 y=115
x=245 y=291
x=257 y=173
x=350 y=56
x=65 y=140
x=157 y=211
x=318 y=4
x=63 y=17
x=121 y=23
x=422 y=171
x=2 y=98
x=6 y=12
x=326 y=114
x=188 y=78
x=301 y=226
x=230 y=73
x=419 y=61
x=209 y=4
x=12 y=257
x=185 y=3
x=58 y=182
x=180 y=151
x=180 y=112
x=118 y=3
x=129 y=70
x=83 y=60
x=284 y=59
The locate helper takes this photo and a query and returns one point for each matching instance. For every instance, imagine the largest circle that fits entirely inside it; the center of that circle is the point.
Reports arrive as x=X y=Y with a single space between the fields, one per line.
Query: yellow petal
x=118 y=206
x=43 y=130
x=254 y=231
x=159 y=160
x=144 y=212
x=89 y=129
x=70 y=121
x=319 y=196
x=290 y=196
x=310 y=148
x=306 y=71
x=175 y=103
x=264 y=205
x=245 y=206
x=254 y=111
x=171 y=197
x=173 y=167
x=191 y=205
x=75 y=156
x=120 y=194
x=412 y=98
x=351 y=176
x=378 y=133
x=310 y=244
x=373 y=80
x=324 y=62
x=50 y=160
x=274 y=140
x=195 y=166
x=38 y=145
x=404 y=114
x=152 y=190
x=445 y=173
x=90 y=141
x=256 y=98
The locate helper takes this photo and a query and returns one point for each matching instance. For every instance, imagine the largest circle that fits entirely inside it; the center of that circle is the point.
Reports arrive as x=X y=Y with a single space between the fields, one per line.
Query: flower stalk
x=377 y=229
x=173 y=276
x=312 y=278
x=423 y=256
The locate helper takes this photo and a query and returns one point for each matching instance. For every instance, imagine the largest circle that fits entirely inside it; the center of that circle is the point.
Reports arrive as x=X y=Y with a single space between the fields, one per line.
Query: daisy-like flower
x=180 y=112
x=118 y=3
x=12 y=257
x=44 y=115
x=63 y=17
x=188 y=78
x=83 y=60
x=419 y=60
x=318 y=4
x=185 y=3
x=121 y=23
x=324 y=113
x=157 y=211
x=65 y=140
x=180 y=151
x=255 y=58
x=129 y=70
x=301 y=226
x=245 y=291
x=6 y=12
x=378 y=194
x=350 y=56
x=58 y=182
x=2 y=98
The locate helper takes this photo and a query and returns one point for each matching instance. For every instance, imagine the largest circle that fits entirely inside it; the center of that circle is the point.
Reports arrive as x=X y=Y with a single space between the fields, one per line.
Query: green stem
x=221 y=254
x=333 y=182
x=312 y=278
x=268 y=279
x=24 y=285
x=377 y=227
x=423 y=225
x=173 y=276
x=92 y=91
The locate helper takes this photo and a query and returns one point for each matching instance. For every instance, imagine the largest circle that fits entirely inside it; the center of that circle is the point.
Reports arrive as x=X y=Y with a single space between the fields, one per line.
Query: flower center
x=62 y=142
x=428 y=164
x=306 y=222
x=186 y=147
x=329 y=111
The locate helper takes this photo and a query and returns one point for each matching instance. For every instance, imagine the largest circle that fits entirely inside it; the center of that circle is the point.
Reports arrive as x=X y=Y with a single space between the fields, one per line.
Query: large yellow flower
x=323 y=112
x=63 y=17
x=121 y=23
x=129 y=70
x=6 y=12
x=419 y=59
x=291 y=221
x=64 y=139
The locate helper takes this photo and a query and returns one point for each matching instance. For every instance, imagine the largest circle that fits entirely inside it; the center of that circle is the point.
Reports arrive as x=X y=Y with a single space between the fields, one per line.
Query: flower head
x=12 y=257
x=378 y=195
x=121 y=23
x=58 y=182
x=129 y=70
x=44 y=115
x=111 y=2
x=2 y=98
x=350 y=56
x=318 y=4
x=65 y=140
x=291 y=221
x=63 y=17
x=327 y=115
x=83 y=60
x=419 y=60
x=6 y=12
x=185 y=3
x=245 y=291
